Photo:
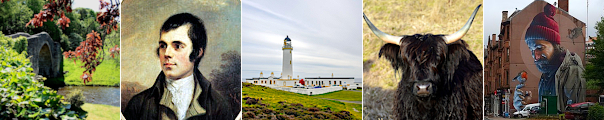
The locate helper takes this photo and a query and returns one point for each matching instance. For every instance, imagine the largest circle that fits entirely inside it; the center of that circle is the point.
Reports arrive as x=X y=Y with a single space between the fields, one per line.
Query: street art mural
x=551 y=50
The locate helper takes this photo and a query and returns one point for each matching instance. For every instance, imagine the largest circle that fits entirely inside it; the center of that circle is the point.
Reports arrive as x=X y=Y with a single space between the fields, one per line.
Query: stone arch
x=44 y=53
x=45 y=61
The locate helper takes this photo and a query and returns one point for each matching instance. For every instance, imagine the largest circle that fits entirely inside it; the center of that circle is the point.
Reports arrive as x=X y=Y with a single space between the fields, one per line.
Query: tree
x=35 y=5
x=52 y=9
x=13 y=16
x=595 y=68
x=90 y=51
x=75 y=40
x=65 y=43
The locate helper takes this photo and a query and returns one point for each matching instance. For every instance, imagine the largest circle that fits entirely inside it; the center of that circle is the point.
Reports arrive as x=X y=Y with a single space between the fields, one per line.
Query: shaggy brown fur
x=452 y=69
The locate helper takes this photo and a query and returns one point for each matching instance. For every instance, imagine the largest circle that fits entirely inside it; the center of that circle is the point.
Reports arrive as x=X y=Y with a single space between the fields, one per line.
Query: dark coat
x=146 y=105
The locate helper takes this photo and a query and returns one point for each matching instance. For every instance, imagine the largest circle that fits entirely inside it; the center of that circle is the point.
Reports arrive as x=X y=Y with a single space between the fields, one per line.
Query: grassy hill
x=292 y=105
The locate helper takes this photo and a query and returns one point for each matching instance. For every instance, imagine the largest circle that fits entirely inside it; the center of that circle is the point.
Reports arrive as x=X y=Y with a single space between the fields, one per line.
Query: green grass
x=106 y=74
x=272 y=97
x=101 y=112
x=343 y=95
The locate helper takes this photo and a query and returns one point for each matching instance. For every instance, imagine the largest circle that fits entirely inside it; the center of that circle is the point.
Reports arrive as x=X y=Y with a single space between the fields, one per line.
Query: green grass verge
x=101 y=112
x=343 y=95
x=106 y=74
x=272 y=97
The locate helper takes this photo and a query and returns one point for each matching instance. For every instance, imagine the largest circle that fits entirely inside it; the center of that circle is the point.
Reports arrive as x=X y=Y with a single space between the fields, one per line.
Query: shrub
x=76 y=98
x=20 y=44
x=24 y=97
x=291 y=112
x=596 y=112
x=249 y=115
x=313 y=109
x=267 y=111
x=282 y=117
x=307 y=117
x=251 y=101
x=343 y=115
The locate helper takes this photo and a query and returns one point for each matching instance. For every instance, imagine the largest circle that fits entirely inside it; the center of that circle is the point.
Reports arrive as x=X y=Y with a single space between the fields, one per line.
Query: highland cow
x=440 y=78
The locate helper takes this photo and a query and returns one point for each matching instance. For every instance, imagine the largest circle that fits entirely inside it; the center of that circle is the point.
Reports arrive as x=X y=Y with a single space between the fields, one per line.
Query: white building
x=287 y=78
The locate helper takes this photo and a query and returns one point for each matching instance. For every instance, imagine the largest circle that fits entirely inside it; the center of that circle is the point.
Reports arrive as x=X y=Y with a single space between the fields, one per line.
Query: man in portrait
x=180 y=90
x=561 y=69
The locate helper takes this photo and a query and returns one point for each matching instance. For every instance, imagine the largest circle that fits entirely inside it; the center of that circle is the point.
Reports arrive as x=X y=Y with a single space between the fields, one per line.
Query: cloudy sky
x=326 y=37
x=576 y=8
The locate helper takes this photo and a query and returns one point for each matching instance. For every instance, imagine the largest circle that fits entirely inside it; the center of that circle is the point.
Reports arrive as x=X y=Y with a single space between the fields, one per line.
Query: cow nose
x=423 y=89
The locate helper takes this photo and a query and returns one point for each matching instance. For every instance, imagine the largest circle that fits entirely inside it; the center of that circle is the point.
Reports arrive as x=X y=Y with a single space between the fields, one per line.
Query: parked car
x=526 y=111
x=578 y=111
x=535 y=110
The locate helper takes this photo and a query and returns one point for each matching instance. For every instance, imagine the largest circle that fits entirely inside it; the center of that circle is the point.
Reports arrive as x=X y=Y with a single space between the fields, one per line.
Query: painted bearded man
x=561 y=69
x=180 y=90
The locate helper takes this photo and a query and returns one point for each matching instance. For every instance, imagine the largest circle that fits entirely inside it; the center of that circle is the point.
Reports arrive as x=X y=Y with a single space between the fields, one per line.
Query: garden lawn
x=101 y=112
x=106 y=74
x=271 y=97
x=343 y=95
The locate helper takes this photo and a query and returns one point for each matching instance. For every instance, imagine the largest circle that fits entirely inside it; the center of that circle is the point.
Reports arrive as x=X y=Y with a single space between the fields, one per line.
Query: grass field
x=106 y=74
x=343 y=95
x=408 y=17
x=272 y=97
x=101 y=112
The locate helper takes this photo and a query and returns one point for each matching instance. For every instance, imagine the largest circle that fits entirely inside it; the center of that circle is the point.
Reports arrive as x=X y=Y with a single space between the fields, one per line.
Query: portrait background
x=141 y=22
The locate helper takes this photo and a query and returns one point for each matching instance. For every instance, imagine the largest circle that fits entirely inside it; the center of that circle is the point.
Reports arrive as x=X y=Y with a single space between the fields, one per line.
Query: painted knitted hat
x=544 y=27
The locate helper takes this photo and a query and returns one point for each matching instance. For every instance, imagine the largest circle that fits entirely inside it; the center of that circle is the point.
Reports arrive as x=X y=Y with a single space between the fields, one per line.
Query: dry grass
x=409 y=17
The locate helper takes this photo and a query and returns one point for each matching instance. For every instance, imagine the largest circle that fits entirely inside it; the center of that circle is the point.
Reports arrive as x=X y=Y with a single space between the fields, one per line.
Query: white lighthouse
x=287 y=72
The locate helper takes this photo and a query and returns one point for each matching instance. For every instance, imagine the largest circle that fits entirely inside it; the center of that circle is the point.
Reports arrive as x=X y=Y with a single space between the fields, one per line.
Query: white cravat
x=182 y=93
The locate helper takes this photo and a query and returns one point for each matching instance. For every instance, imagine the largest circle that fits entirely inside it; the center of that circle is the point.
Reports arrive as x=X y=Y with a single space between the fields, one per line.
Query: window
x=508 y=55
x=290 y=62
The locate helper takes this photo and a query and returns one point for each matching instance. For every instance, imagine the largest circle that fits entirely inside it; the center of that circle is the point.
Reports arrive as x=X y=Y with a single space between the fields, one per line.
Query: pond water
x=95 y=95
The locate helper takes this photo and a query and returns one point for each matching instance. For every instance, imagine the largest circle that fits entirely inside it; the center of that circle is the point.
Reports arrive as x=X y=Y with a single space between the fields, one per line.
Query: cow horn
x=457 y=35
x=386 y=37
